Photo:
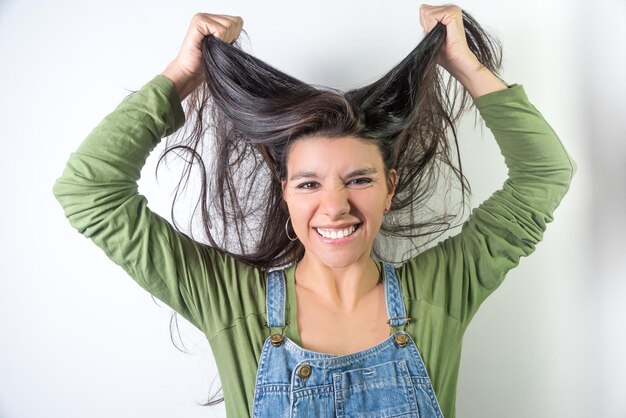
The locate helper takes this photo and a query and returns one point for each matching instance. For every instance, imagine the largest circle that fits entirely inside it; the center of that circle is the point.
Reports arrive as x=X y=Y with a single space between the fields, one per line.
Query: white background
x=78 y=338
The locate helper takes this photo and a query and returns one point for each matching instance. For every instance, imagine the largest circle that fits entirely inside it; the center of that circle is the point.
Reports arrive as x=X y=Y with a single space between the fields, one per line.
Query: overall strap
x=393 y=292
x=275 y=298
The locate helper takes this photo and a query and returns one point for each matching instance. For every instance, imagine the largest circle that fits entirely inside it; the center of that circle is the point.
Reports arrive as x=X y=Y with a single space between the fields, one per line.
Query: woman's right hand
x=186 y=70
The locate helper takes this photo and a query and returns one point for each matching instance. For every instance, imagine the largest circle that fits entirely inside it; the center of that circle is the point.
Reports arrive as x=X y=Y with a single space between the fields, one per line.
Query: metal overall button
x=401 y=338
x=276 y=339
x=304 y=371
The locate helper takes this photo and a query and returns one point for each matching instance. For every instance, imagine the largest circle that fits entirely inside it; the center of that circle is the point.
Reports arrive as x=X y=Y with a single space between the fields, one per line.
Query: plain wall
x=78 y=338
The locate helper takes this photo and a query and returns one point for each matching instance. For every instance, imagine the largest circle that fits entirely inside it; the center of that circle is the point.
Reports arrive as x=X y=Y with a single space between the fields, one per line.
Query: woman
x=335 y=333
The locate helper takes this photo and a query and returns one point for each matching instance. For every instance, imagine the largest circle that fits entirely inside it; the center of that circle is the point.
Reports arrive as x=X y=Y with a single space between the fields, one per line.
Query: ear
x=391 y=186
x=283 y=184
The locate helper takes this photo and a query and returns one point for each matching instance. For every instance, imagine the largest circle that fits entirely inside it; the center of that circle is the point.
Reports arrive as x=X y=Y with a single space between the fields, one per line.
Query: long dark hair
x=246 y=114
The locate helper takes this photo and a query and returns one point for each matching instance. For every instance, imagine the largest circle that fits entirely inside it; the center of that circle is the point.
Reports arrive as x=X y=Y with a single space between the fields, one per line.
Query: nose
x=335 y=203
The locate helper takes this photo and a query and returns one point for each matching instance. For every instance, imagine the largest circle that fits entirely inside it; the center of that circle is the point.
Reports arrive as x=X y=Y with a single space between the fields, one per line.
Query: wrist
x=183 y=82
x=477 y=79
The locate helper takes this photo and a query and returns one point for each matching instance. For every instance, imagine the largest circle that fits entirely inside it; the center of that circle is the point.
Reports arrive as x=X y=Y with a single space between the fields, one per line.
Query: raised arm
x=186 y=70
x=460 y=272
x=456 y=57
x=99 y=194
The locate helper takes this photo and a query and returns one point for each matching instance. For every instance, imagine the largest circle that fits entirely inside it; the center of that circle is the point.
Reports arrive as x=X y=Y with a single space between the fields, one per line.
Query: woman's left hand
x=455 y=57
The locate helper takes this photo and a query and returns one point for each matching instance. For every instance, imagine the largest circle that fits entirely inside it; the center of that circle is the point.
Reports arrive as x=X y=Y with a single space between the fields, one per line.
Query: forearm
x=512 y=221
x=103 y=172
x=540 y=169
x=477 y=79
x=183 y=84
x=99 y=193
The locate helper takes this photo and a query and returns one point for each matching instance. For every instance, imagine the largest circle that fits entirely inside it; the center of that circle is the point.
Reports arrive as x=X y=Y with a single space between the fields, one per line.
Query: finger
x=206 y=24
x=444 y=14
x=421 y=15
x=202 y=25
x=430 y=16
x=239 y=26
x=222 y=26
x=230 y=26
x=236 y=24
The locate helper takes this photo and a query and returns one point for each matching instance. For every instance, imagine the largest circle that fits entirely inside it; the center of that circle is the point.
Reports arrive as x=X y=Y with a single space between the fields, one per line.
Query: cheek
x=301 y=209
x=371 y=204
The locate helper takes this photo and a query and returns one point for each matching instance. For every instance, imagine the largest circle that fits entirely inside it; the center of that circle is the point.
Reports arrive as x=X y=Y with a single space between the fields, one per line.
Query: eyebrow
x=311 y=174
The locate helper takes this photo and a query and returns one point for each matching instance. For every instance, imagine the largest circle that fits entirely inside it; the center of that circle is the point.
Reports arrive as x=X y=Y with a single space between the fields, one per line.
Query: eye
x=359 y=181
x=307 y=185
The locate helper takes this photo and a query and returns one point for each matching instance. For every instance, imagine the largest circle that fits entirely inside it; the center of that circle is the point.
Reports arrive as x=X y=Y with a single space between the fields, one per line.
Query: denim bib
x=387 y=380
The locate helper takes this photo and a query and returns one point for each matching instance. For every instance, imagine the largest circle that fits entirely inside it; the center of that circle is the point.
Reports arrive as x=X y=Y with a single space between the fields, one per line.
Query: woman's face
x=336 y=192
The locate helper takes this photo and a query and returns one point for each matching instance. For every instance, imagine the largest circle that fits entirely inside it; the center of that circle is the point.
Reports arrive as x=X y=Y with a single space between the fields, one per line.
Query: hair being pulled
x=243 y=118
x=247 y=113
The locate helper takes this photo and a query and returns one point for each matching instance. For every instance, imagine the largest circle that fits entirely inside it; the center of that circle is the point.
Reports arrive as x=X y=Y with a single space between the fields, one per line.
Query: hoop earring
x=287 y=230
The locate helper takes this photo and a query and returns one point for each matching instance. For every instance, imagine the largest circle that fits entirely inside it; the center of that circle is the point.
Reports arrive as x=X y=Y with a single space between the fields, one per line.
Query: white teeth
x=336 y=233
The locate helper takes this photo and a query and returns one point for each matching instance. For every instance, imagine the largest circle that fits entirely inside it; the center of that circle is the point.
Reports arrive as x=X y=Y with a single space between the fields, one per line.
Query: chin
x=338 y=261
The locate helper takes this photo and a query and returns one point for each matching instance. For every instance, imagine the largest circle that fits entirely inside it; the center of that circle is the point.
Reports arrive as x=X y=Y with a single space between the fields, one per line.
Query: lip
x=341 y=226
x=338 y=241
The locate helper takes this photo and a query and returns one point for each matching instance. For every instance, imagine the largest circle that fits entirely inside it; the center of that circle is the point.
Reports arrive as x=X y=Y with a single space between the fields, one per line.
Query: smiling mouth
x=332 y=233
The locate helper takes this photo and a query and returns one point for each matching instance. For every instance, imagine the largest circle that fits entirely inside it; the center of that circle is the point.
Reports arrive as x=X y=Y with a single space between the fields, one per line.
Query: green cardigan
x=442 y=286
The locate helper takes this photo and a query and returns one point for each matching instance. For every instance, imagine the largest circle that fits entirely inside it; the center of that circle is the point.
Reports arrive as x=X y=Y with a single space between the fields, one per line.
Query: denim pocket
x=383 y=390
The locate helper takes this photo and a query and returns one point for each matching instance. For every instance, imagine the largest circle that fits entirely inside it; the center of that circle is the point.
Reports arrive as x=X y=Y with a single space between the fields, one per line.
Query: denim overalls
x=387 y=380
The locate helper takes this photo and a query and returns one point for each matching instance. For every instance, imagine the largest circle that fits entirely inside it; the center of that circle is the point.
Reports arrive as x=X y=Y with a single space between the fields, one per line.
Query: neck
x=340 y=288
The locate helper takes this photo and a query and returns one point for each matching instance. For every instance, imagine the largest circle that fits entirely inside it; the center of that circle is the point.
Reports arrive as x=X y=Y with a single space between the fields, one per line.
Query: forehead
x=321 y=153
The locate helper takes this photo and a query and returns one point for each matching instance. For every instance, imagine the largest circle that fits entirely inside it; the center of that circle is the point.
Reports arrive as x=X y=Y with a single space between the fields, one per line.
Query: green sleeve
x=460 y=272
x=99 y=194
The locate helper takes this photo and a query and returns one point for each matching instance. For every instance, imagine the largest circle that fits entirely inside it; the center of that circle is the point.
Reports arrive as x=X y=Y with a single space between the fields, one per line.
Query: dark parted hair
x=246 y=114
